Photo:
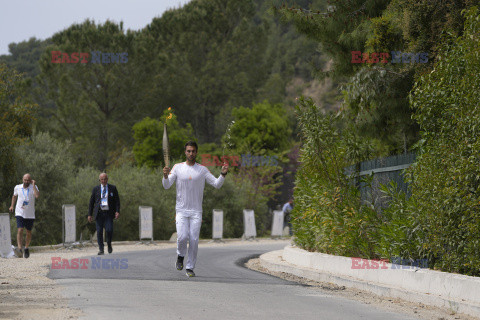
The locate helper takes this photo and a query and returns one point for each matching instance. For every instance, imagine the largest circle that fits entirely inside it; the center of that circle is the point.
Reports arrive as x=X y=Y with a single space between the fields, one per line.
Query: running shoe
x=179 y=263
x=190 y=273
x=26 y=253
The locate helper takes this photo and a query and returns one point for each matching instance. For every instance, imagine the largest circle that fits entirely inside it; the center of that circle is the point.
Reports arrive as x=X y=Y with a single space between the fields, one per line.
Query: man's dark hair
x=191 y=144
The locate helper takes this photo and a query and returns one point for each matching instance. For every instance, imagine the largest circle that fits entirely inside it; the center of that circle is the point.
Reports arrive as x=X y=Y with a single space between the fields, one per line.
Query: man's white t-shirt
x=25 y=201
x=190 y=185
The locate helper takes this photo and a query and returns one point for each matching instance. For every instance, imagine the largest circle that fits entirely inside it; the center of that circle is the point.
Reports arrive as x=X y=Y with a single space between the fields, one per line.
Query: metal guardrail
x=387 y=169
x=384 y=170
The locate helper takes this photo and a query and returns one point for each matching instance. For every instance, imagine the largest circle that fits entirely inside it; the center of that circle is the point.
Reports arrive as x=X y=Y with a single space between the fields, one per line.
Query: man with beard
x=25 y=195
x=190 y=177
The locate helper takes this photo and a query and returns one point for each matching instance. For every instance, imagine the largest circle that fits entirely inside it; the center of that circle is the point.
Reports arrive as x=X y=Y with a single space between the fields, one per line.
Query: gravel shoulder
x=27 y=293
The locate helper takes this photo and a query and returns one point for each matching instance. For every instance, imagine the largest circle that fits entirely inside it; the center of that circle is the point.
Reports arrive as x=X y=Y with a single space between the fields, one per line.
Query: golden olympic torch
x=166 y=147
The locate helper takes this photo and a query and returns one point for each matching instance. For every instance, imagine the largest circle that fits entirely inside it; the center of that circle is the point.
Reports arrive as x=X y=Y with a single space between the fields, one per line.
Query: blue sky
x=22 y=19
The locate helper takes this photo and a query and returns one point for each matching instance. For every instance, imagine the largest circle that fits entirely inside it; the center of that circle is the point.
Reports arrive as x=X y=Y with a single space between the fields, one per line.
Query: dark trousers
x=104 y=220
x=289 y=224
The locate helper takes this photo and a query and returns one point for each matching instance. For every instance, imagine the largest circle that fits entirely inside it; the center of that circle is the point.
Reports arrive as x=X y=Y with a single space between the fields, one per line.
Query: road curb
x=286 y=261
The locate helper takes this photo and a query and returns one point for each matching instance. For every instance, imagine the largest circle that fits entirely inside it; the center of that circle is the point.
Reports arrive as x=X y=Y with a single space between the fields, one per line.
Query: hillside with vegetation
x=201 y=68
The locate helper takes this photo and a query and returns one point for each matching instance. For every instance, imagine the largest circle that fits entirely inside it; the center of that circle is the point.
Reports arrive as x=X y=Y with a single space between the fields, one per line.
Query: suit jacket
x=113 y=200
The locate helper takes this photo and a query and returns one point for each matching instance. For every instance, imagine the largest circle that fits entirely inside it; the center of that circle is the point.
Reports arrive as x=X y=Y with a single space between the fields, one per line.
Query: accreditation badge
x=104 y=204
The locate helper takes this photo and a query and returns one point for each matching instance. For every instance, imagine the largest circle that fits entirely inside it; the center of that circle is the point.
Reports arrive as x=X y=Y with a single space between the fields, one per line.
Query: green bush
x=261 y=129
x=400 y=232
x=446 y=178
x=137 y=186
x=231 y=200
x=80 y=186
x=148 y=135
x=328 y=216
x=440 y=221
x=50 y=163
x=52 y=167
x=141 y=186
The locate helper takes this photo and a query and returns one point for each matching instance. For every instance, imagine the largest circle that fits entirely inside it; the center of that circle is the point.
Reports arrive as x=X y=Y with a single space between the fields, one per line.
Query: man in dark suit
x=104 y=207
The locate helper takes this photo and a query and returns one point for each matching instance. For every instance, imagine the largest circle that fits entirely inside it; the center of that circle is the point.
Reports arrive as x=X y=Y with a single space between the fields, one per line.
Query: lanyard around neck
x=28 y=192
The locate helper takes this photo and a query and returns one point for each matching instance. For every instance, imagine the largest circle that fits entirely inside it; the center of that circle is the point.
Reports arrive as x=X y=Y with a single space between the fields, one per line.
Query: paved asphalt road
x=151 y=288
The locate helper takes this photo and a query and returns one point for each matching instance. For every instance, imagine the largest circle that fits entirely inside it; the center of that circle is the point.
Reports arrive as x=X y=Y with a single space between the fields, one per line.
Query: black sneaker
x=179 y=263
x=26 y=253
x=110 y=248
x=190 y=273
x=100 y=253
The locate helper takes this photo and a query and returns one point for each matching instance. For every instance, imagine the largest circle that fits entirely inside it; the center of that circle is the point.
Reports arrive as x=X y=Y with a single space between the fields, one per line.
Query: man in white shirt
x=190 y=178
x=25 y=195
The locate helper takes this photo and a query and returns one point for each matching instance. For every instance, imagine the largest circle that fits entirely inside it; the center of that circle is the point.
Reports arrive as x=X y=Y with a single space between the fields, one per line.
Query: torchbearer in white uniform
x=190 y=177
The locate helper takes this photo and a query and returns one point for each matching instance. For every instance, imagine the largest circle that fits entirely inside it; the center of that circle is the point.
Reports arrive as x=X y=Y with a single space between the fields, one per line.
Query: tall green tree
x=261 y=129
x=208 y=57
x=94 y=103
x=24 y=56
x=148 y=135
x=290 y=56
x=16 y=122
x=337 y=25
x=203 y=59
x=376 y=93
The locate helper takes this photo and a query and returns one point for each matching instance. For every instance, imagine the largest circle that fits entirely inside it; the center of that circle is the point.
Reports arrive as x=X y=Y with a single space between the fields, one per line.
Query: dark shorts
x=24 y=223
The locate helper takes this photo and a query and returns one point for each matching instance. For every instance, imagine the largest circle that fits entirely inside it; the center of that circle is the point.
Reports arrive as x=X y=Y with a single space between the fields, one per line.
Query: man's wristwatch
x=224 y=174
